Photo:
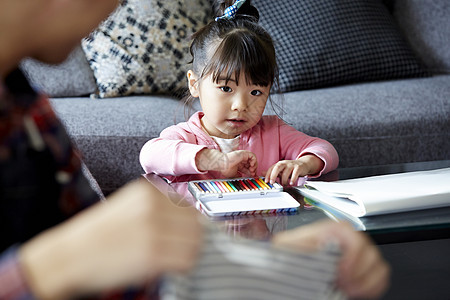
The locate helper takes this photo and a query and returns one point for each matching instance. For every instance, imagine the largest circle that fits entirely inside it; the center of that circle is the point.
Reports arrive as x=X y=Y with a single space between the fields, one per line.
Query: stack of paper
x=383 y=194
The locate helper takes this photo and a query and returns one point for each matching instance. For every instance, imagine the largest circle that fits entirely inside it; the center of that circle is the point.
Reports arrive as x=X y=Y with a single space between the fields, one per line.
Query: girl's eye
x=225 y=89
x=256 y=93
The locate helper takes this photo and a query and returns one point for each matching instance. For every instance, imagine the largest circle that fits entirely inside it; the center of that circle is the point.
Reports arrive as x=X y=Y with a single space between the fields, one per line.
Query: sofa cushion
x=378 y=123
x=71 y=78
x=111 y=132
x=143 y=47
x=426 y=25
x=331 y=42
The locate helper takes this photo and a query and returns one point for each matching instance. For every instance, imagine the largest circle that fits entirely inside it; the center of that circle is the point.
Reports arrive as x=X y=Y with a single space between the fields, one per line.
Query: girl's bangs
x=238 y=53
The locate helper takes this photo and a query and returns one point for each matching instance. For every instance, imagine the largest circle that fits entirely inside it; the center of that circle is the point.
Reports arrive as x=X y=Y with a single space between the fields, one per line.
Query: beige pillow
x=143 y=47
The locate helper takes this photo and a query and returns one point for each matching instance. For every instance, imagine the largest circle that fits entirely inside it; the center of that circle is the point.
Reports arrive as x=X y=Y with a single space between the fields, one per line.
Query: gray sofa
x=371 y=122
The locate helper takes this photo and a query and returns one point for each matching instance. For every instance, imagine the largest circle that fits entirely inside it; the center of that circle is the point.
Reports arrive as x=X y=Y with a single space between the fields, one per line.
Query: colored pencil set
x=241 y=196
x=234 y=185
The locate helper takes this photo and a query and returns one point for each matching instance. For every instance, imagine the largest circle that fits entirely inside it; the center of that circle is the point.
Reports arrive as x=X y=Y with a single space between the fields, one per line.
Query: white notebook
x=383 y=194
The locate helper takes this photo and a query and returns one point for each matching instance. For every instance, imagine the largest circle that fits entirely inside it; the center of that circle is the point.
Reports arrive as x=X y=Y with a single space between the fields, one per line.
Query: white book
x=383 y=194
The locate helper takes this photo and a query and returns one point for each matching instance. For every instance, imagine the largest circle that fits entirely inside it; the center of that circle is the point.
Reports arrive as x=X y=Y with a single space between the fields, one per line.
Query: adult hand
x=362 y=271
x=136 y=236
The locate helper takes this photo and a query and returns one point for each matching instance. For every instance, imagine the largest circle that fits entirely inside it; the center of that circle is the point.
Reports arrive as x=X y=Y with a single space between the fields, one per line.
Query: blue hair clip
x=230 y=11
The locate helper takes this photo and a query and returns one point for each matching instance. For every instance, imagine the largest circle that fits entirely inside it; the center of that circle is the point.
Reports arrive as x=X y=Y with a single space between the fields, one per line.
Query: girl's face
x=229 y=109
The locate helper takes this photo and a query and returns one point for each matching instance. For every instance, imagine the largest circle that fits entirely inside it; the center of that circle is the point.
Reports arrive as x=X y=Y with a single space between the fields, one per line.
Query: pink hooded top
x=172 y=154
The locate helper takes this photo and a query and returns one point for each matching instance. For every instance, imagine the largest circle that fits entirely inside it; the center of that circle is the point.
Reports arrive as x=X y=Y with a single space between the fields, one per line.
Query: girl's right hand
x=239 y=163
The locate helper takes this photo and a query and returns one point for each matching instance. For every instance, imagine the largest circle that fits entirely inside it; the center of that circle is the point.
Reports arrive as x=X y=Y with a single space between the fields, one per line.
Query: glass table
x=388 y=228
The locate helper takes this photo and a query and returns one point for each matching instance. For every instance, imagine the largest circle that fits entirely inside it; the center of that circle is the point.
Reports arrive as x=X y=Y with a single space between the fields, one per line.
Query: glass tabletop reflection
x=387 y=228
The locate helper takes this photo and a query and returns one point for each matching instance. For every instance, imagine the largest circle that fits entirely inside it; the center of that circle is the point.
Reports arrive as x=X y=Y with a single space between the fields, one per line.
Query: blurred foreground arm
x=132 y=239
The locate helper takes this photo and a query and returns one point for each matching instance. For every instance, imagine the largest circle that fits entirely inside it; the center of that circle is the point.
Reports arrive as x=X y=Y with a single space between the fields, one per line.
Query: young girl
x=233 y=71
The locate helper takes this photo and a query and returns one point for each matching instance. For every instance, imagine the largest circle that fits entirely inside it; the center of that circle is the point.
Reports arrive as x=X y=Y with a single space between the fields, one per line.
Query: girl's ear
x=193 y=83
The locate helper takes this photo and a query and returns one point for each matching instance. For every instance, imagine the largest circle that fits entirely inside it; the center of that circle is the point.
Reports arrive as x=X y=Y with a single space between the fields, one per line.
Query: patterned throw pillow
x=322 y=43
x=143 y=47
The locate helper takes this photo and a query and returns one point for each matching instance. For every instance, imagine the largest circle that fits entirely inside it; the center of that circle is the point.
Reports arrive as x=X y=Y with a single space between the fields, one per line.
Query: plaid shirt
x=41 y=180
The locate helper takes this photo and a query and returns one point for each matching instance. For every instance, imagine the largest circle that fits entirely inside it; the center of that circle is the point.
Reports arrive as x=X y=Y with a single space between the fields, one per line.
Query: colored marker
x=216 y=188
x=203 y=186
x=232 y=186
x=251 y=184
x=214 y=185
x=197 y=184
x=219 y=185
x=210 y=187
x=224 y=186
x=263 y=184
x=245 y=185
x=238 y=184
x=254 y=181
x=230 y=189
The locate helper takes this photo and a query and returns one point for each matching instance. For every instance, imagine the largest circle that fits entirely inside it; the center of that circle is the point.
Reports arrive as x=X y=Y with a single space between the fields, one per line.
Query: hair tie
x=230 y=11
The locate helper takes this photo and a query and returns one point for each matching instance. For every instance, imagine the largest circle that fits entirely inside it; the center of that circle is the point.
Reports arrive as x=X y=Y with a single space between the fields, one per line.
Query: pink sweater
x=172 y=155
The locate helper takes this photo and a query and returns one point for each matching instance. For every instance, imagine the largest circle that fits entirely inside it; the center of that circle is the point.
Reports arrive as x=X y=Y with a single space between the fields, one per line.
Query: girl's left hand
x=290 y=170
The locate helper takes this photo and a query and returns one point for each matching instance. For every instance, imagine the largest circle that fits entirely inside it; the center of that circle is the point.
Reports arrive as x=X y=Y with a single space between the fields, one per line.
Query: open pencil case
x=241 y=196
